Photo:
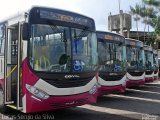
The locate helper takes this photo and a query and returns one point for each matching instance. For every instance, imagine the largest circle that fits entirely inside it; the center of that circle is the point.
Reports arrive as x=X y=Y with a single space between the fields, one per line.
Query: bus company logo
x=113 y=74
x=71 y=76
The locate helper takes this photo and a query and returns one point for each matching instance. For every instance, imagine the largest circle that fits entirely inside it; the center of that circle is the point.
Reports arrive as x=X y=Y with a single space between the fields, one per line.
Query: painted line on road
x=124 y=113
x=155 y=82
x=134 y=98
x=149 y=86
x=142 y=91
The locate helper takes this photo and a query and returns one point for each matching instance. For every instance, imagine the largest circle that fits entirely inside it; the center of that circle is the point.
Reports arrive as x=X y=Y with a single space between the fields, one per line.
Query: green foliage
x=156 y=24
x=149 y=12
x=155 y=3
x=135 y=12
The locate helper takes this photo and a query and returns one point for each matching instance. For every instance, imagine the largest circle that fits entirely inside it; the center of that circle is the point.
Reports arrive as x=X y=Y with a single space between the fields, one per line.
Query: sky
x=96 y=9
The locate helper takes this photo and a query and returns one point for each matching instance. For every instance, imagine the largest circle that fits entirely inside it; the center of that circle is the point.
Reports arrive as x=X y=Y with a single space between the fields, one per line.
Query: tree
x=155 y=21
x=155 y=3
x=149 y=12
x=135 y=12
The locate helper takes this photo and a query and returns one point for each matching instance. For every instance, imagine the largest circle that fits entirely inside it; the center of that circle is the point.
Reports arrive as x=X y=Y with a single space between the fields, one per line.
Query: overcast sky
x=97 y=9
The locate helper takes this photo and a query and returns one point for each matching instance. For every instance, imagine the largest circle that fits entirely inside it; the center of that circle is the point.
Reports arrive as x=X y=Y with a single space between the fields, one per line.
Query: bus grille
x=149 y=72
x=112 y=78
x=67 y=83
x=136 y=73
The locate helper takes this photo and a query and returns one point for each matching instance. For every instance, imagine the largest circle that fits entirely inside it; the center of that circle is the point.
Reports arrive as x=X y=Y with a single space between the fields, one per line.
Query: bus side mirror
x=25 y=31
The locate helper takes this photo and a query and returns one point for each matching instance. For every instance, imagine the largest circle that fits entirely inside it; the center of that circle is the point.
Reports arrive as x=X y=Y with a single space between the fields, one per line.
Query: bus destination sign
x=61 y=17
x=106 y=36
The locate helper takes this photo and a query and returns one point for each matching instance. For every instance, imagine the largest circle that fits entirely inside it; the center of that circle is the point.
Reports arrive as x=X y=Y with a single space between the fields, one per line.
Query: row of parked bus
x=124 y=63
x=52 y=59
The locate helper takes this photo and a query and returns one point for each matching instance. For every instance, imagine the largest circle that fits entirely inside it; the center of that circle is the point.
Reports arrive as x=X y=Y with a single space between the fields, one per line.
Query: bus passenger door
x=13 y=66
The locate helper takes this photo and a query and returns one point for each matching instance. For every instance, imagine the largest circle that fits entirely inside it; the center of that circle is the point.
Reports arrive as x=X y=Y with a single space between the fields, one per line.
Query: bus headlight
x=93 y=89
x=36 y=92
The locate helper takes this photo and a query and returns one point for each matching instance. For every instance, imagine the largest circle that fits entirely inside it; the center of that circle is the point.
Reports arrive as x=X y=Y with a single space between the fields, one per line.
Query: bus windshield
x=149 y=59
x=110 y=56
x=135 y=57
x=62 y=49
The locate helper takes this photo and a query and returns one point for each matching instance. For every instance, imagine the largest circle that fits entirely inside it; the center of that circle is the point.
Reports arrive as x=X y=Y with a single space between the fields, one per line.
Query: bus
x=48 y=60
x=156 y=65
x=135 y=62
x=149 y=73
x=112 y=71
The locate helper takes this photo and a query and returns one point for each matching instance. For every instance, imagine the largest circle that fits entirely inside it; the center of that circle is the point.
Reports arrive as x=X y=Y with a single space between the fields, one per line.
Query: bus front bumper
x=149 y=79
x=132 y=83
x=103 y=90
x=34 y=104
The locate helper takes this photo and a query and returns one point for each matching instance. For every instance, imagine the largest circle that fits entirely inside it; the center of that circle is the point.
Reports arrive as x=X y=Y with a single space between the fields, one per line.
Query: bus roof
x=109 y=36
x=133 y=42
x=67 y=11
x=60 y=17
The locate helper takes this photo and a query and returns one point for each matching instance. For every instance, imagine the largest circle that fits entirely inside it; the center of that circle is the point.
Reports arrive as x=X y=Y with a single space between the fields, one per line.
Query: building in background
x=120 y=23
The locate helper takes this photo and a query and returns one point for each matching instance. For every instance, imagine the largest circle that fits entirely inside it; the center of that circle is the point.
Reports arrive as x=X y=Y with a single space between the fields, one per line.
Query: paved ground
x=140 y=103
